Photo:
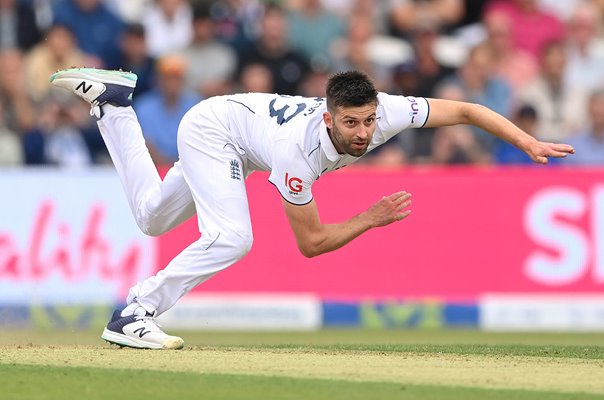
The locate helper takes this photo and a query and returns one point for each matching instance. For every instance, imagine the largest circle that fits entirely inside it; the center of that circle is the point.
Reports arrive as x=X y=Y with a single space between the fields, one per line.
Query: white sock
x=108 y=108
x=133 y=309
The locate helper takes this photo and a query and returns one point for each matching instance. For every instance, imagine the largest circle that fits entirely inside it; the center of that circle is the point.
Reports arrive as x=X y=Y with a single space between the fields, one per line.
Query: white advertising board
x=68 y=237
x=242 y=311
x=542 y=313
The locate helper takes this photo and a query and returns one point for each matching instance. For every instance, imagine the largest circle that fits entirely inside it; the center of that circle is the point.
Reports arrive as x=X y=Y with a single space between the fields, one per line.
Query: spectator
x=96 y=28
x=354 y=51
x=131 y=11
x=514 y=65
x=473 y=13
x=134 y=57
x=563 y=10
x=559 y=104
x=408 y=15
x=525 y=118
x=219 y=61
x=388 y=155
x=18 y=28
x=287 y=66
x=533 y=28
x=58 y=51
x=18 y=108
x=379 y=10
x=10 y=145
x=589 y=143
x=315 y=83
x=457 y=145
x=425 y=69
x=480 y=85
x=237 y=22
x=585 y=51
x=160 y=110
x=168 y=24
x=454 y=144
x=312 y=30
x=256 y=78
x=59 y=136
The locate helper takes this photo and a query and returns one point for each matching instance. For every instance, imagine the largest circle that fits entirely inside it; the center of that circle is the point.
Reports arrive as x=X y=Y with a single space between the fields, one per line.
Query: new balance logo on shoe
x=82 y=86
x=142 y=332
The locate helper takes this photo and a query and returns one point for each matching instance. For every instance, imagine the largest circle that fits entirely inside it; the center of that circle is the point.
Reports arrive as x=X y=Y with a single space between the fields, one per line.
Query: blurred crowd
x=538 y=62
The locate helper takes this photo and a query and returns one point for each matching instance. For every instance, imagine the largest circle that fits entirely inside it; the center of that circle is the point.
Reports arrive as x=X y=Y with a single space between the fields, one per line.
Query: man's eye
x=369 y=120
x=349 y=123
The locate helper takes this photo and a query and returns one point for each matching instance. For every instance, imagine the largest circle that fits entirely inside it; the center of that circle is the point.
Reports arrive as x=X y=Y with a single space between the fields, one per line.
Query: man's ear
x=328 y=120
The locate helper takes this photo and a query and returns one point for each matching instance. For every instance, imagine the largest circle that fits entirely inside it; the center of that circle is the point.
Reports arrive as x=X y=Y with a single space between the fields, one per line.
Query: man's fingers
x=558 y=150
x=402 y=216
x=400 y=197
x=564 y=148
x=397 y=195
x=403 y=205
x=557 y=154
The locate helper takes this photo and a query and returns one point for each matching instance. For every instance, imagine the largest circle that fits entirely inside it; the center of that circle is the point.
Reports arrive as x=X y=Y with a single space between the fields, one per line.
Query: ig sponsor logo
x=294 y=184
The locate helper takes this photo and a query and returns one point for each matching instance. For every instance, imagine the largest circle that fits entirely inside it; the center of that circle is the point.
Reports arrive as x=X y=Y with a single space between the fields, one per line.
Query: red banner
x=472 y=231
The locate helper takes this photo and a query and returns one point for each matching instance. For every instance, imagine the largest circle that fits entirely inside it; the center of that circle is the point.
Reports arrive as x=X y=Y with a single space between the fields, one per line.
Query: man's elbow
x=312 y=247
x=309 y=251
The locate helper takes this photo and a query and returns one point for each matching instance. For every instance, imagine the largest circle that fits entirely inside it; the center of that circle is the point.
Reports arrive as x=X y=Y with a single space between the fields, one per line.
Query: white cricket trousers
x=208 y=178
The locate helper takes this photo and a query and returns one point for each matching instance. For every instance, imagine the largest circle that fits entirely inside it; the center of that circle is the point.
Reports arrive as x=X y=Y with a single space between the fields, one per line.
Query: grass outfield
x=330 y=364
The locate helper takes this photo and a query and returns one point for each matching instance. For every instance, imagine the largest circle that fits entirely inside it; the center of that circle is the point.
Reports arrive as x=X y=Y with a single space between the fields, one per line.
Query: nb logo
x=82 y=86
x=142 y=332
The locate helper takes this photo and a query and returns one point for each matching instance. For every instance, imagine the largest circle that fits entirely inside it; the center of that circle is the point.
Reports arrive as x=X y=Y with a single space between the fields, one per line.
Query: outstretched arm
x=447 y=112
x=315 y=238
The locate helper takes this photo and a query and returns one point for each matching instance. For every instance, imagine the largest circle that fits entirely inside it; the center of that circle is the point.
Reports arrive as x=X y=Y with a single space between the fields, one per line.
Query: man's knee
x=238 y=242
x=151 y=229
x=150 y=225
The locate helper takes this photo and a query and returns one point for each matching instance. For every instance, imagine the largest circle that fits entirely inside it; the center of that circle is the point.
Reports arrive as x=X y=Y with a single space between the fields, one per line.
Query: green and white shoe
x=97 y=86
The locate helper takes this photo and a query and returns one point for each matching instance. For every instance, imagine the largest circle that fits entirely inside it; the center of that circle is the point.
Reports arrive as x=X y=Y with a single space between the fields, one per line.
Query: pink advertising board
x=472 y=231
x=69 y=237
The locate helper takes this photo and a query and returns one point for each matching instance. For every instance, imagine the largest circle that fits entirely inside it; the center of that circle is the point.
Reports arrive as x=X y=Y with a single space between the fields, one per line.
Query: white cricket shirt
x=287 y=136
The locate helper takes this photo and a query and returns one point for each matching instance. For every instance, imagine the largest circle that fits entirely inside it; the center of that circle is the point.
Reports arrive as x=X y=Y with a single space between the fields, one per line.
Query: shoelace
x=150 y=319
x=93 y=104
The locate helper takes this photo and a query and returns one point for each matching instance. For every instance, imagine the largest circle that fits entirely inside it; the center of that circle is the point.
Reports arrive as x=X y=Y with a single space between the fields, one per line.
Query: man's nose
x=363 y=132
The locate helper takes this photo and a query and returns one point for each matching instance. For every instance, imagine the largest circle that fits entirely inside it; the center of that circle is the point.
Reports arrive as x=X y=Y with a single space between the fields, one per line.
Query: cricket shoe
x=97 y=86
x=140 y=331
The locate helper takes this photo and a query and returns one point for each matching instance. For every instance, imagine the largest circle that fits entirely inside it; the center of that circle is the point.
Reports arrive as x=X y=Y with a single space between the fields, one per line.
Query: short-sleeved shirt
x=287 y=136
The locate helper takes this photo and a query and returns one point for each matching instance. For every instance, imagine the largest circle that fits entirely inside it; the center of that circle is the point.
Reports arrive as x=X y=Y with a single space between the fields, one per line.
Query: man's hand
x=389 y=209
x=540 y=151
x=314 y=237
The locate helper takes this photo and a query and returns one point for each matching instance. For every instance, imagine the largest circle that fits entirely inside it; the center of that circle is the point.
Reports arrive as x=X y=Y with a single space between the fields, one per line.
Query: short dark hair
x=135 y=29
x=350 y=89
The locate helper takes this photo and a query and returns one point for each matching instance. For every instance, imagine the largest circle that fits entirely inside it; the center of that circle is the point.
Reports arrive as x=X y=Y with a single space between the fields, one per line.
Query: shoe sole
x=98 y=75
x=126 y=341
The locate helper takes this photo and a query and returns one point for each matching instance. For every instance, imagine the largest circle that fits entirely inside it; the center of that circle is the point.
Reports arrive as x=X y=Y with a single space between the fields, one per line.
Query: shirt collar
x=327 y=145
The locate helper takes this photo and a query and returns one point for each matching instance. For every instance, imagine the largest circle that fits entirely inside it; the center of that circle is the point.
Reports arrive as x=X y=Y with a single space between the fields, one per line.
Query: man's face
x=351 y=128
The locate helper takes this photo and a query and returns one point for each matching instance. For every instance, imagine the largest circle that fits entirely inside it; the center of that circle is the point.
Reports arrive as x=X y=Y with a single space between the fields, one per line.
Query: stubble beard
x=347 y=146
